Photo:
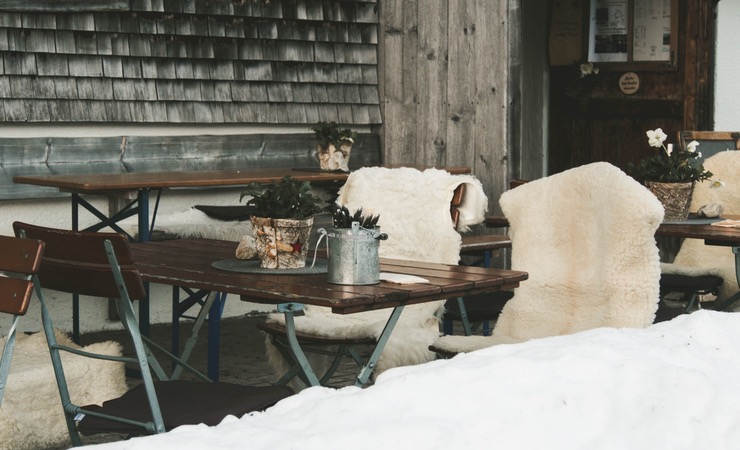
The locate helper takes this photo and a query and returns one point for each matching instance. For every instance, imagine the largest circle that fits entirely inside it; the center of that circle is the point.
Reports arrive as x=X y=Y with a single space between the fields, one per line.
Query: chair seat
x=182 y=402
x=279 y=330
x=702 y=284
x=479 y=308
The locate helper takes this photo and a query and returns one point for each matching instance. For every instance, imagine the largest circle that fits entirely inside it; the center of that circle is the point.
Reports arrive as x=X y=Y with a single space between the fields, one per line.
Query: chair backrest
x=708 y=259
x=19 y=260
x=710 y=142
x=586 y=238
x=725 y=167
x=76 y=262
x=418 y=209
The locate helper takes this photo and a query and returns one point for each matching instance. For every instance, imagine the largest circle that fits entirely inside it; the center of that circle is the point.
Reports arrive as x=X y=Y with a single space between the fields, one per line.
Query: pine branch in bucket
x=343 y=218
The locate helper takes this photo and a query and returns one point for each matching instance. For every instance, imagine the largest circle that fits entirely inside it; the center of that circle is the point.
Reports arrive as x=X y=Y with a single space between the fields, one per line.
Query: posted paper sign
x=652 y=32
x=608 y=31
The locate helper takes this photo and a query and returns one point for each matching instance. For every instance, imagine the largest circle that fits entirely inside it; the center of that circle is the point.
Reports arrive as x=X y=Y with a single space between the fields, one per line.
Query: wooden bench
x=123 y=154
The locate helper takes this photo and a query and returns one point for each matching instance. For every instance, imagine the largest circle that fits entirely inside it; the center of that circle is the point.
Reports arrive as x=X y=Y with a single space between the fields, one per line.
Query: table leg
x=75 y=297
x=212 y=307
x=214 y=334
x=369 y=366
x=288 y=309
x=139 y=207
x=143 y=200
x=736 y=297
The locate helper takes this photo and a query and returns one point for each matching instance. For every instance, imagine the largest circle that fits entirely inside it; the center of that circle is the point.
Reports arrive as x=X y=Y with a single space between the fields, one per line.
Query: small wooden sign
x=629 y=83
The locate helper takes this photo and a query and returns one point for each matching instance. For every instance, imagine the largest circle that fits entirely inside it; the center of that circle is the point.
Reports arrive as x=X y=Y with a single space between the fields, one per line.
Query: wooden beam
x=64 y=5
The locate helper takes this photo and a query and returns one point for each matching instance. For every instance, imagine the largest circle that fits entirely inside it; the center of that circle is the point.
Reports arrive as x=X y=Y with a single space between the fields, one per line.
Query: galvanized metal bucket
x=353 y=254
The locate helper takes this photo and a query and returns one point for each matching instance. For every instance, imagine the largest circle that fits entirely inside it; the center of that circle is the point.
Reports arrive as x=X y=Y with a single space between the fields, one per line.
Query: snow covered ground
x=670 y=386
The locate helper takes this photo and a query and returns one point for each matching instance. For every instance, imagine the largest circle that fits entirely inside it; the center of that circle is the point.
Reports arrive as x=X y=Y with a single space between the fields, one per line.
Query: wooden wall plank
x=398 y=88
x=64 y=5
x=462 y=88
x=432 y=75
x=490 y=159
x=435 y=113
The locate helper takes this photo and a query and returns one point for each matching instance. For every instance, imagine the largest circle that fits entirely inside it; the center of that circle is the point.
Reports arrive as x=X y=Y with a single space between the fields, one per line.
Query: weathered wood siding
x=444 y=86
x=191 y=61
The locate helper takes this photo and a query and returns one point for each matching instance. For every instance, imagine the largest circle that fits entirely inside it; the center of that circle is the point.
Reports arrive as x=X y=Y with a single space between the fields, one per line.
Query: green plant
x=331 y=133
x=669 y=165
x=287 y=199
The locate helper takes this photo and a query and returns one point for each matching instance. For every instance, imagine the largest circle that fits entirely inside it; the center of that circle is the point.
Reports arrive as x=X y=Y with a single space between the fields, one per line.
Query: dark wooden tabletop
x=107 y=182
x=187 y=262
x=712 y=234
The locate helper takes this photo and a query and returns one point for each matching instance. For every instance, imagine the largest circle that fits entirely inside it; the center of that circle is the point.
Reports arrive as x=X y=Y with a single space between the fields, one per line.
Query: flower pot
x=332 y=158
x=675 y=197
x=281 y=243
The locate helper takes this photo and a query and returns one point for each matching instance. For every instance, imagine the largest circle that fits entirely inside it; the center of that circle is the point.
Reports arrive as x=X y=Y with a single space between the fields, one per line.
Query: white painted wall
x=57 y=213
x=727 y=67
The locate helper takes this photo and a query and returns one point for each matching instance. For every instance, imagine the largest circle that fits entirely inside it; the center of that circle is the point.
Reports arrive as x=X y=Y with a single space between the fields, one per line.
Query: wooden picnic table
x=188 y=263
x=117 y=184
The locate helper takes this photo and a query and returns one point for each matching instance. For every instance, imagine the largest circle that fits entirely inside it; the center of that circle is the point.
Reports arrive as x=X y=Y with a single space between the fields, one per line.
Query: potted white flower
x=670 y=173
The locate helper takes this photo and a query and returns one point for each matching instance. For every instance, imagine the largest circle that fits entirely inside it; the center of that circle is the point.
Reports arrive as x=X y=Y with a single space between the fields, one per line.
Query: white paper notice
x=608 y=31
x=652 y=37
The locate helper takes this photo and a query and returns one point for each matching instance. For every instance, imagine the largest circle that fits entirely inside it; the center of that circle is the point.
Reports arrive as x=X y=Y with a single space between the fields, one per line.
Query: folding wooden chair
x=19 y=261
x=564 y=237
x=101 y=265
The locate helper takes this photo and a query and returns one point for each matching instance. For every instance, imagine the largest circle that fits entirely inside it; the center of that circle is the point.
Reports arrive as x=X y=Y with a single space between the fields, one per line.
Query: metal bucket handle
x=355 y=227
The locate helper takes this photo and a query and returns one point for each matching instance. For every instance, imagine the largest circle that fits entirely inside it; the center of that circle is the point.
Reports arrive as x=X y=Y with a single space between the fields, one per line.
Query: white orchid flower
x=691 y=146
x=716 y=184
x=656 y=137
x=586 y=69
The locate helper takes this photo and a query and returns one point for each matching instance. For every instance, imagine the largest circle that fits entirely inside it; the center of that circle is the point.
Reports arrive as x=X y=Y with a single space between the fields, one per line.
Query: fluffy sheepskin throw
x=193 y=223
x=586 y=238
x=696 y=258
x=31 y=416
x=414 y=208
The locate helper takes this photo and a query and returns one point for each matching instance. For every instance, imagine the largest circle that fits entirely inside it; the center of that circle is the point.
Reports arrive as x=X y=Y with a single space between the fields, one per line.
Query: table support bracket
x=367 y=369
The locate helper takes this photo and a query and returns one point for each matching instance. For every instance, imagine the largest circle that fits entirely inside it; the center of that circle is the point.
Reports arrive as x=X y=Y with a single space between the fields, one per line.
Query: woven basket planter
x=675 y=197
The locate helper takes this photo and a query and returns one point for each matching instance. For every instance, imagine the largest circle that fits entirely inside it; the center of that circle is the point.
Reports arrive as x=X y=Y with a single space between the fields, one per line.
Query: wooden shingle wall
x=189 y=61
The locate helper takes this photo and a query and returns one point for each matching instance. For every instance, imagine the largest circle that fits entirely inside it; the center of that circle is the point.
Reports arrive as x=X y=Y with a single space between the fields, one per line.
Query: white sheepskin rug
x=193 y=223
x=586 y=238
x=31 y=415
x=696 y=258
x=414 y=208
